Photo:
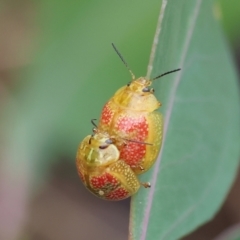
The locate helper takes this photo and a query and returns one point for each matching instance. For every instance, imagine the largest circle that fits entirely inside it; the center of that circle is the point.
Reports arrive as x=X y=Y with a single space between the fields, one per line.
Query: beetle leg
x=146 y=184
x=138 y=166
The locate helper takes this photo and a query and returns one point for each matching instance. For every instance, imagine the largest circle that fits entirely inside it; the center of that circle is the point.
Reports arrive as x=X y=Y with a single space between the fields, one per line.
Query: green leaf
x=231 y=19
x=200 y=153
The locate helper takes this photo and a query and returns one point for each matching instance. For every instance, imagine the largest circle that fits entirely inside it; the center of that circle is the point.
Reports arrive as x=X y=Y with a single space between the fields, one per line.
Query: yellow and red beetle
x=125 y=143
x=101 y=170
x=131 y=114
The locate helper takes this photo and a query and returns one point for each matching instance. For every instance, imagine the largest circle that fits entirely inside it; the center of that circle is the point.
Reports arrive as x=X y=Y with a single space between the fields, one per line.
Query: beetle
x=132 y=114
x=101 y=170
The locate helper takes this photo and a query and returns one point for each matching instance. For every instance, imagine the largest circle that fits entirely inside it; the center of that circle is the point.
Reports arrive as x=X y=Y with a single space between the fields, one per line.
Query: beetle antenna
x=118 y=53
x=135 y=141
x=93 y=123
x=166 y=73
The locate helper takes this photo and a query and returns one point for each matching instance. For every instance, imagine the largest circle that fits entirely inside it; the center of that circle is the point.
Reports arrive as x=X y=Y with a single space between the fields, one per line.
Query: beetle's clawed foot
x=146 y=184
x=141 y=168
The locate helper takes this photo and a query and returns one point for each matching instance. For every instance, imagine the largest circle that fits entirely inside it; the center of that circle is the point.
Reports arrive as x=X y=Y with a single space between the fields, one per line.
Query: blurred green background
x=57 y=69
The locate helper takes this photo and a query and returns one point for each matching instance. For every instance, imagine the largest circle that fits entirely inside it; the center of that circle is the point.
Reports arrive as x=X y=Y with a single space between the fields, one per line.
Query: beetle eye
x=146 y=89
x=103 y=147
x=129 y=84
x=109 y=141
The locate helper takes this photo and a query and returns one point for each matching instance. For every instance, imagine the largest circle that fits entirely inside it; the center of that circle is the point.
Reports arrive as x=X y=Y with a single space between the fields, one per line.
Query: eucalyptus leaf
x=200 y=153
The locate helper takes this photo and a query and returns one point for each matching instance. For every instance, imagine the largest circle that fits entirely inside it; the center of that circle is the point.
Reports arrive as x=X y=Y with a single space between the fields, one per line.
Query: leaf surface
x=200 y=152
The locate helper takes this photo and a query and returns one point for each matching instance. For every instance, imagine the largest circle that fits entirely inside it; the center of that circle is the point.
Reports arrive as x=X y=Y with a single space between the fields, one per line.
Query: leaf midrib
x=172 y=94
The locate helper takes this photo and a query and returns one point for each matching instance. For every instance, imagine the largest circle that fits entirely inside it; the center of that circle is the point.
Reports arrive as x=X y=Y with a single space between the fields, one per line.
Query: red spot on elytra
x=110 y=186
x=136 y=128
x=107 y=114
x=133 y=153
x=104 y=181
x=118 y=194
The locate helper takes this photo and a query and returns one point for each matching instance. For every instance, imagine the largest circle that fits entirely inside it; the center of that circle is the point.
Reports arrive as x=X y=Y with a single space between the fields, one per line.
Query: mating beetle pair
x=125 y=143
